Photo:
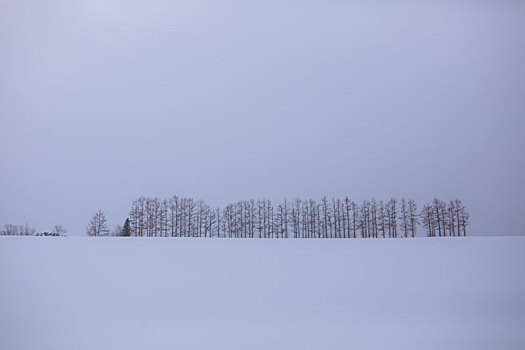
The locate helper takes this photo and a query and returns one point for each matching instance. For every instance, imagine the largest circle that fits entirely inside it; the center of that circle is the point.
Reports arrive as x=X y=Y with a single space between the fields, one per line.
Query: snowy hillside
x=118 y=293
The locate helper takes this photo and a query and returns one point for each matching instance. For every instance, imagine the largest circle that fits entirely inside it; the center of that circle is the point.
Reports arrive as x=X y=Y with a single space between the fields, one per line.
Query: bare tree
x=463 y=217
x=373 y=218
x=438 y=208
x=347 y=209
x=325 y=219
x=355 y=218
x=412 y=217
x=163 y=219
x=391 y=215
x=364 y=222
x=295 y=217
x=98 y=226
x=404 y=217
x=382 y=220
x=218 y=218
x=59 y=230
x=427 y=218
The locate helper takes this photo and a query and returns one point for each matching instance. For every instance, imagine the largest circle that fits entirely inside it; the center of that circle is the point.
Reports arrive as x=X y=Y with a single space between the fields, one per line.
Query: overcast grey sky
x=102 y=101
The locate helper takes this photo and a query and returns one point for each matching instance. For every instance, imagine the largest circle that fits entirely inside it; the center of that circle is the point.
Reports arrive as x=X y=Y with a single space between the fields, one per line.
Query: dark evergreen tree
x=126 y=230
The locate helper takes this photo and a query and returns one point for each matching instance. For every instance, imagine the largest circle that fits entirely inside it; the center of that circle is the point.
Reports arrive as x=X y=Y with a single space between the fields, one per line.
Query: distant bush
x=51 y=234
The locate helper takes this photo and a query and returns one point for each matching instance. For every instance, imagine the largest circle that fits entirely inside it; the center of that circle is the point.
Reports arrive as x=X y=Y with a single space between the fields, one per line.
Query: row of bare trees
x=334 y=218
x=17 y=230
x=26 y=230
x=445 y=219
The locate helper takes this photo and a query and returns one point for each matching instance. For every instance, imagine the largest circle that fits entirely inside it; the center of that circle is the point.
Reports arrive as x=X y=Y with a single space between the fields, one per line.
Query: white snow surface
x=130 y=293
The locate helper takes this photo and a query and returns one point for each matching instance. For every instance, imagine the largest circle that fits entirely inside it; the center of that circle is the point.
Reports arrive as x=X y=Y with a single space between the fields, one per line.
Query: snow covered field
x=121 y=293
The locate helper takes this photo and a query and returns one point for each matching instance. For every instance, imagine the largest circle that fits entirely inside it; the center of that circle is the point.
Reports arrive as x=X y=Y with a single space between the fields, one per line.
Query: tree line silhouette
x=334 y=218
x=26 y=230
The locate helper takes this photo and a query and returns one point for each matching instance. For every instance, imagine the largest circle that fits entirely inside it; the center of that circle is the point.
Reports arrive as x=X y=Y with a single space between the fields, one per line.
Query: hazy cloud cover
x=104 y=101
